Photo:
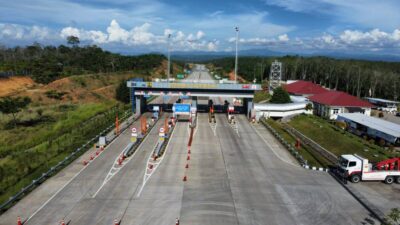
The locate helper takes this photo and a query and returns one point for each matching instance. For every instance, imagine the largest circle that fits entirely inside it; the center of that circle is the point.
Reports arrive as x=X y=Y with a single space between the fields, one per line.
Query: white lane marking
x=270 y=147
x=114 y=170
x=79 y=172
x=146 y=176
x=235 y=127
x=213 y=128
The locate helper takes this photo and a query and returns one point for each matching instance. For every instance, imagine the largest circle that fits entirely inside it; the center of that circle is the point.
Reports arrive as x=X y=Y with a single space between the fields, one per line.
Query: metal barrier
x=288 y=146
x=60 y=165
x=308 y=141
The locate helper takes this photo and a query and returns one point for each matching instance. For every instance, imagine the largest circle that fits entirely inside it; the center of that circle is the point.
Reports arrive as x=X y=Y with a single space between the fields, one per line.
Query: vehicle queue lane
x=207 y=197
x=267 y=190
x=76 y=196
x=160 y=200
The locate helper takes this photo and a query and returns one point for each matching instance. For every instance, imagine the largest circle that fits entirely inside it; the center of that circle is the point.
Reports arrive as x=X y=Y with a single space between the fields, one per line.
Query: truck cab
x=356 y=168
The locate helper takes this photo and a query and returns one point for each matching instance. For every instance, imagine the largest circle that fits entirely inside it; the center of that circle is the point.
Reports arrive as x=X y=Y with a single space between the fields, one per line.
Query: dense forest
x=47 y=63
x=357 y=77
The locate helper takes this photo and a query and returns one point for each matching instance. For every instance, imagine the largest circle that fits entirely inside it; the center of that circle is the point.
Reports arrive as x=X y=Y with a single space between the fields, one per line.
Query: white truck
x=356 y=168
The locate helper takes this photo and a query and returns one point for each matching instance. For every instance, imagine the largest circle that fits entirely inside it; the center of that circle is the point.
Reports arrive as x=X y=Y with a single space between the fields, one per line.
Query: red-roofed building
x=304 y=88
x=331 y=103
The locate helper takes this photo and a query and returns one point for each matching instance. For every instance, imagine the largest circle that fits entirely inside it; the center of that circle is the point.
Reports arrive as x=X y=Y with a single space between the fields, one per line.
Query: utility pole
x=169 y=57
x=236 y=56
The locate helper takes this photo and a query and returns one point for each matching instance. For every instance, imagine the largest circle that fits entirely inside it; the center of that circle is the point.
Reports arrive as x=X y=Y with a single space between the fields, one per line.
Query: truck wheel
x=355 y=178
x=398 y=179
x=389 y=180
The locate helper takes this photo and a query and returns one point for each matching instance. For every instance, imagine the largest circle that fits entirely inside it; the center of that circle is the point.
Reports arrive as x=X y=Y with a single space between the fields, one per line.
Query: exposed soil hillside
x=12 y=85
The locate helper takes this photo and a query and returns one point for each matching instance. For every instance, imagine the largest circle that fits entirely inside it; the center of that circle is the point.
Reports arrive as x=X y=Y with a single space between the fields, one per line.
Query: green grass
x=27 y=152
x=308 y=154
x=336 y=140
x=261 y=96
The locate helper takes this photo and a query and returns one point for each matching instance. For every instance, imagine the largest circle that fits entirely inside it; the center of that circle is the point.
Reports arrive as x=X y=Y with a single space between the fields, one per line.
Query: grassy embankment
x=50 y=129
x=306 y=152
x=338 y=141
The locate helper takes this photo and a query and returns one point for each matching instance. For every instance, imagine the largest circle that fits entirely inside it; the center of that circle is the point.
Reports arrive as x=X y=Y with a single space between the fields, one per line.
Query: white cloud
x=20 y=32
x=283 y=38
x=141 y=35
x=200 y=34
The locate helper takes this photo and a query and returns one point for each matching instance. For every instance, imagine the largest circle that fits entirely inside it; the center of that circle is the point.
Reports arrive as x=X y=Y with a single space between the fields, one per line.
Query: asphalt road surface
x=233 y=177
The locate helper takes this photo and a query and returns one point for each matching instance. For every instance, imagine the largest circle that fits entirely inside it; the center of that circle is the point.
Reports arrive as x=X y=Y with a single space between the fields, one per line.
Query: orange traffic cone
x=19 y=221
x=184 y=178
x=187 y=165
x=62 y=222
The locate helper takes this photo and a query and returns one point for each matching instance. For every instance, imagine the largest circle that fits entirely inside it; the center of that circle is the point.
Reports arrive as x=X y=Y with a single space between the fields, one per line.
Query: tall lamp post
x=169 y=57
x=236 y=56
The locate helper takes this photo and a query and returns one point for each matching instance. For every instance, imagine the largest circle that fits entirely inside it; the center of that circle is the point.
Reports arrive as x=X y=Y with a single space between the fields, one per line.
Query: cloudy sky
x=132 y=26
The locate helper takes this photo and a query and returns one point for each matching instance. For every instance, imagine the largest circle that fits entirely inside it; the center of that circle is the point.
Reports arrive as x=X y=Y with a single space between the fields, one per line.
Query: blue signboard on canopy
x=181 y=108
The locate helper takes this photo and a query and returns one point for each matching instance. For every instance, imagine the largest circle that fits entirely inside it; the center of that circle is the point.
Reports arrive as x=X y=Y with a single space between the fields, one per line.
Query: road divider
x=158 y=153
x=126 y=153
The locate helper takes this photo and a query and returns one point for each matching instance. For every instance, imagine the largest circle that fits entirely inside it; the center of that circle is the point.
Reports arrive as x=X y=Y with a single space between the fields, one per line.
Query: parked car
x=398 y=114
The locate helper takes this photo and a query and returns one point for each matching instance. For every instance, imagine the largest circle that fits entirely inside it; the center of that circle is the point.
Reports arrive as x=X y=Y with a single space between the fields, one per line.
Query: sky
x=139 y=26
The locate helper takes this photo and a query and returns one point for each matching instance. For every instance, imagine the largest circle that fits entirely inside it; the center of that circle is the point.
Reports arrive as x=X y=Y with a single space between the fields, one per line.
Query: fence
x=67 y=160
x=307 y=141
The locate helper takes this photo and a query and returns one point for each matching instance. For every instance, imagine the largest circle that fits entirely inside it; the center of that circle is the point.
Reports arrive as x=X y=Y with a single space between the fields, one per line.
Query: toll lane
x=207 y=197
x=75 y=201
x=160 y=200
x=267 y=190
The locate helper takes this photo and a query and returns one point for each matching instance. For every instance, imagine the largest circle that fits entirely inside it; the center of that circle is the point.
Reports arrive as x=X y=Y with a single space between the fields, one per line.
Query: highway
x=233 y=177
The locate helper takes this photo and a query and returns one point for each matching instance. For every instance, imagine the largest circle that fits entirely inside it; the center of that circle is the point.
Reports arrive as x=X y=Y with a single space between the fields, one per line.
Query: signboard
x=102 y=140
x=133 y=135
x=180 y=76
x=181 y=109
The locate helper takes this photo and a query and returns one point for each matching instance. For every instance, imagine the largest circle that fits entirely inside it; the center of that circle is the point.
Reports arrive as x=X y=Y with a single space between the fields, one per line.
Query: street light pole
x=169 y=57
x=236 y=55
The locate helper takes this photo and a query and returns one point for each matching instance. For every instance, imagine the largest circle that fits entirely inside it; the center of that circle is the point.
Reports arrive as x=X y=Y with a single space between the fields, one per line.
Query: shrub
x=341 y=124
x=54 y=94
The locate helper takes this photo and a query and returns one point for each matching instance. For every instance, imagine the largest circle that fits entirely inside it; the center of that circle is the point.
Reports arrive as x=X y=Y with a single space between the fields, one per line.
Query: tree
x=73 y=40
x=280 y=96
x=393 y=217
x=122 y=92
x=12 y=106
x=309 y=107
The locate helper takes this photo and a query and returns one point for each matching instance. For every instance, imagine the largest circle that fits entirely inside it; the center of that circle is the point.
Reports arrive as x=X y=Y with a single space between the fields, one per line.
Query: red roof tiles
x=302 y=87
x=339 y=98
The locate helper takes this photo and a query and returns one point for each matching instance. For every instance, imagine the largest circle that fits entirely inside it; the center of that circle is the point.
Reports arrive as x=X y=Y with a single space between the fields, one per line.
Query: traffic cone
x=177 y=221
x=185 y=178
x=119 y=161
x=116 y=222
x=85 y=162
x=187 y=165
x=188 y=157
x=19 y=221
x=189 y=151
x=91 y=157
x=62 y=222
x=97 y=152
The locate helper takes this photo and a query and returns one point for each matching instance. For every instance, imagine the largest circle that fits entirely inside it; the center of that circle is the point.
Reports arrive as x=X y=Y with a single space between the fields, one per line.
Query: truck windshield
x=343 y=162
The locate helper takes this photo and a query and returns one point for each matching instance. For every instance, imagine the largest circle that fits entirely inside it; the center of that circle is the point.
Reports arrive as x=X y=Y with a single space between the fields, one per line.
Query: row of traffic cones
x=187 y=164
x=93 y=156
